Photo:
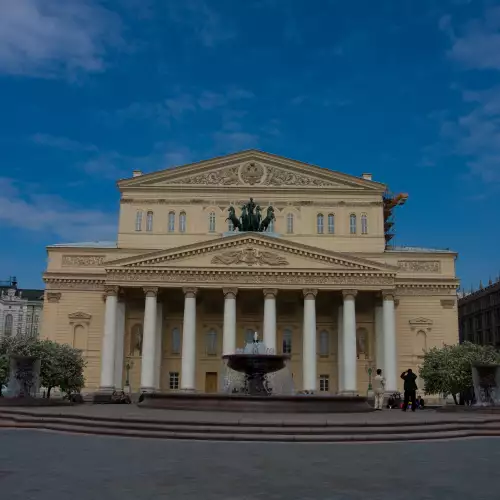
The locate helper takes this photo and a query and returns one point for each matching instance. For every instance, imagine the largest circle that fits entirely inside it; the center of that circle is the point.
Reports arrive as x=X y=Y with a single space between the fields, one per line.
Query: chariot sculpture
x=251 y=217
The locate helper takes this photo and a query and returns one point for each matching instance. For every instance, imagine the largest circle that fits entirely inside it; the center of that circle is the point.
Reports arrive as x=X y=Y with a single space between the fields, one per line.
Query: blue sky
x=90 y=90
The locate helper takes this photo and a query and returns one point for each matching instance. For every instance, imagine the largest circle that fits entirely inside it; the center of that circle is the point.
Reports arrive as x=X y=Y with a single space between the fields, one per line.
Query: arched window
x=136 y=340
x=289 y=223
x=138 y=220
x=211 y=343
x=352 y=223
x=182 y=222
x=320 y=223
x=270 y=228
x=171 y=222
x=364 y=224
x=176 y=341
x=211 y=222
x=79 y=340
x=8 y=325
x=324 y=338
x=331 y=223
x=149 y=221
x=230 y=226
x=362 y=342
x=287 y=341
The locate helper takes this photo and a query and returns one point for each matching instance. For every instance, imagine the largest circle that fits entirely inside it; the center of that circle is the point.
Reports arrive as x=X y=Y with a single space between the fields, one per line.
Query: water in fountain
x=257 y=370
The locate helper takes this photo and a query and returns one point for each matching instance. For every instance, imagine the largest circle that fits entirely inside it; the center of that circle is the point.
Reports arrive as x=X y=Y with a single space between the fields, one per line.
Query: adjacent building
x=180 y=286
x=479 y=315
x=20 y=310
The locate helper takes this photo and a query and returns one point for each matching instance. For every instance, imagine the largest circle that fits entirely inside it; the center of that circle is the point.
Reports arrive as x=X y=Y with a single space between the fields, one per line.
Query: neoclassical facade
x=158 y=307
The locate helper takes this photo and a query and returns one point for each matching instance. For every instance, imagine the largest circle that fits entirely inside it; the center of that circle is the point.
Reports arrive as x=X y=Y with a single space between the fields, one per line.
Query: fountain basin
x=299 y=403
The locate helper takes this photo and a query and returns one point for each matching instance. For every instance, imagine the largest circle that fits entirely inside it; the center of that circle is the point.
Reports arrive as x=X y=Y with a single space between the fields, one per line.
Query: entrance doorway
x=211 y=382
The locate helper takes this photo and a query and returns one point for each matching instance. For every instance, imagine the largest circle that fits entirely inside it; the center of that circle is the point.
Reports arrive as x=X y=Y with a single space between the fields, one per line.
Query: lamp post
x=369 y=370
x=128 y=366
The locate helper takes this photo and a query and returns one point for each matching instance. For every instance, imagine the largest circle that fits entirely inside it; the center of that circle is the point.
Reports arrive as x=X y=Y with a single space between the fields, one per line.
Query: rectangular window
x=176 y=341
x=287 y=342
x=323 y=343
x=173 y=380
x=324 y=383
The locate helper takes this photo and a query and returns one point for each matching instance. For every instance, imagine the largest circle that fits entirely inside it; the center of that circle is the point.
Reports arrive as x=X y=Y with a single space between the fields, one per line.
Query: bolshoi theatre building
x=310 y=268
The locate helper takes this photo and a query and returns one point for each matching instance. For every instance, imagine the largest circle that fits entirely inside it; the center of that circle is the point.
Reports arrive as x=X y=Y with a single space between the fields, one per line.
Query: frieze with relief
x=243 y=277
x=420 y=266
x=83 y=260
x=250 y=257
x=253 y=174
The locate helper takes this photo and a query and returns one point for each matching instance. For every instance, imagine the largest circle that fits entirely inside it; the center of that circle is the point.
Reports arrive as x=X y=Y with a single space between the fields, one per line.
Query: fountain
x=257 y=380
x=263 y=373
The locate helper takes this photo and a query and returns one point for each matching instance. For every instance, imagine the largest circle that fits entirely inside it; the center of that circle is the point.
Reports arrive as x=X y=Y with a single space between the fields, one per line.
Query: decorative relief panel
x=425 y=323
x=252 y=174
x=251 y=257
x=82 y=260
x=420 y=266
x=247 y=277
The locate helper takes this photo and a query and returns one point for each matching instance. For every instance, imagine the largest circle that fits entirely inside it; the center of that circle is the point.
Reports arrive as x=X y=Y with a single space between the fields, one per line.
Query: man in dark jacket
x=410 y=388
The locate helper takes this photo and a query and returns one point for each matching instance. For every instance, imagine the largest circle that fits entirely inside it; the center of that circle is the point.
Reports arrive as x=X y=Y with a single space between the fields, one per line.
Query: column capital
x=230 y=293
x=310 y=293
x=150 y=291
x=190 y=292
x=349 y=294
x=270 y=292
x=111 y=290
x=388 y=294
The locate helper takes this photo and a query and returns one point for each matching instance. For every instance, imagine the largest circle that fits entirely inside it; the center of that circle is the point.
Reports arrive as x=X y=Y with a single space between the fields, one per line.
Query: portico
x=335 y=317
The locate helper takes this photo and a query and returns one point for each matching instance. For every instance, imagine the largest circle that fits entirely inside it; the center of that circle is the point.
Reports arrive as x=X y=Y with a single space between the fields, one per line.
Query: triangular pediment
x=251 y=250
x=252 y=169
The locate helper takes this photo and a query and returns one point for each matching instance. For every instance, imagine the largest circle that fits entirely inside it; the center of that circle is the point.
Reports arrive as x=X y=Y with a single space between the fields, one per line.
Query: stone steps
x=231 y=432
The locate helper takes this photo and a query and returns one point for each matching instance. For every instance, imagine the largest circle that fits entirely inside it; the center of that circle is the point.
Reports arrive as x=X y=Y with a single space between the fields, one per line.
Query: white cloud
x=234 y=141
x=47 y=38
x=477 y=44
x=42 y=213
x=62 y=143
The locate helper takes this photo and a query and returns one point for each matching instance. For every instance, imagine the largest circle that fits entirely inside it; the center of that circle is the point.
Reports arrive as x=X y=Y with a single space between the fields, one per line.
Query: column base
x=149 y=390
x=348 y=393
x=104 y=395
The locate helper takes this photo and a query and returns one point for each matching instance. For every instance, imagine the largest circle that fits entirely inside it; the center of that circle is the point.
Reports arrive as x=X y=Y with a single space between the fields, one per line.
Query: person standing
x=410 y=388
x=379 y=389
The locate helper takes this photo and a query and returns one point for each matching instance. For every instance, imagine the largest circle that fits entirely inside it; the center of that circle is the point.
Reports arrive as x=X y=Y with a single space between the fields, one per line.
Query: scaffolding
x=391 y=201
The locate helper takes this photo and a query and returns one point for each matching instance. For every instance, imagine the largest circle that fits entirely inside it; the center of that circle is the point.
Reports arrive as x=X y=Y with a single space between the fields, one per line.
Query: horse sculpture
x=234 y=220
x=268 y=219
x=251 y=217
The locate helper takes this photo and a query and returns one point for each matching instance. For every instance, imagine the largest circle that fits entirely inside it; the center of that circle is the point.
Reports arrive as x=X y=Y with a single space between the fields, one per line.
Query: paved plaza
x=36 y=465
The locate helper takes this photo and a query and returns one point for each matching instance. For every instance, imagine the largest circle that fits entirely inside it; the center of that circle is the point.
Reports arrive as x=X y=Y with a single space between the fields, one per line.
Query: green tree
x=448 y=369
x=60 y=364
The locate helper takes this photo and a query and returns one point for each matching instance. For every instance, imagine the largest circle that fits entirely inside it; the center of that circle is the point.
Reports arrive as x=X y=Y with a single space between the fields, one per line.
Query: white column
x=340 y=348
x=379 y=337
x=270 y=318
x=107 y=381
x=158 y=345
x=229 y=327
x=390 y=354
x=188 y=369
x=119 y=348
x=149 y=341
x=309 y=341
x=349 y=331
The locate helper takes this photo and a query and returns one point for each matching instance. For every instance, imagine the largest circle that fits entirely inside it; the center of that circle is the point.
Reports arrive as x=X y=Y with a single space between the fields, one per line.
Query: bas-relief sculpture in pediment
x=249 y=252
x=252 y=168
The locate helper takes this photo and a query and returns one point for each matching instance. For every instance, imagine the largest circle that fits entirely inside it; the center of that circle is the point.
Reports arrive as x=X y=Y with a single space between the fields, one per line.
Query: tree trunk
x=455 y=398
